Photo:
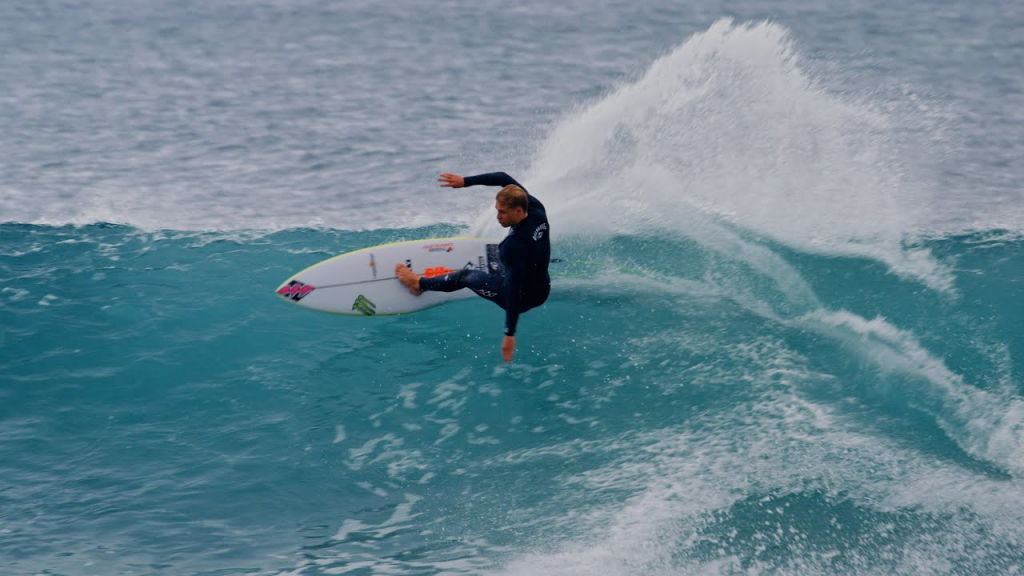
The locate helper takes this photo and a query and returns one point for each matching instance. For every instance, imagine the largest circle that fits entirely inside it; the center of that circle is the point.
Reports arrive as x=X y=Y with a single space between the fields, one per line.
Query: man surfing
x=524 y=254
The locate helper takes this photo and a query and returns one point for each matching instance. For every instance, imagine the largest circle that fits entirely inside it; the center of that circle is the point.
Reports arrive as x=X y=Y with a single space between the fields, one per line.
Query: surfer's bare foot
x=408 y=279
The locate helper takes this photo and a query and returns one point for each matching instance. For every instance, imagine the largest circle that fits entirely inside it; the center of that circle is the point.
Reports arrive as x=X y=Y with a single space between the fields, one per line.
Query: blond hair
x=512 y=197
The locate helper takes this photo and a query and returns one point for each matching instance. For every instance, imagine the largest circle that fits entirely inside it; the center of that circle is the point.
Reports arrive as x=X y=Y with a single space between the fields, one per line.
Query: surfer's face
x=509 y=216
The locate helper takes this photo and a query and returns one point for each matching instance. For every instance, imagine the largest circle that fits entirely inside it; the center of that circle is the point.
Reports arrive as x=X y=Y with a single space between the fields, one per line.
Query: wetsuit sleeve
x=515 y=272
x=490 y=179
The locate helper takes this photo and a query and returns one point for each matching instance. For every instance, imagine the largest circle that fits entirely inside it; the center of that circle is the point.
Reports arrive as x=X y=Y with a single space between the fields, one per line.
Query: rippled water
x=783 y=338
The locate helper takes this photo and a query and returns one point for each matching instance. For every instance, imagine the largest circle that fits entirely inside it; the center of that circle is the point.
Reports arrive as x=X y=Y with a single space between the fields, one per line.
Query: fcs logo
x=295 y=290
x=539 y=232
x=364 y=305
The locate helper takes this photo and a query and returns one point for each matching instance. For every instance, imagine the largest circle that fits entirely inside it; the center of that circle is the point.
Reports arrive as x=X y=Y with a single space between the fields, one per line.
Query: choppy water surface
x=784 y=336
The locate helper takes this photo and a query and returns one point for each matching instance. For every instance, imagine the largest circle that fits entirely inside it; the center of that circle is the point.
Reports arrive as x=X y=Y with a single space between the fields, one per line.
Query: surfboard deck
x=363 y=282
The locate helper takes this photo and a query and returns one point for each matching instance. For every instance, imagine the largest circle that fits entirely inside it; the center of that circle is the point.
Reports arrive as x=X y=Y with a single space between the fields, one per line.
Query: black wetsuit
x=524 y=254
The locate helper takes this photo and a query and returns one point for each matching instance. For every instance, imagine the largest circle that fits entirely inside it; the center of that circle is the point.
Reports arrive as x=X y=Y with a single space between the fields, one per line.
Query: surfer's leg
x=486 y=285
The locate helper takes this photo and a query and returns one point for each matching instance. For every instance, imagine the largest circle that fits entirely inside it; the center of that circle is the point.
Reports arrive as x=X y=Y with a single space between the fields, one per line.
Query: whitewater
x=783 y=336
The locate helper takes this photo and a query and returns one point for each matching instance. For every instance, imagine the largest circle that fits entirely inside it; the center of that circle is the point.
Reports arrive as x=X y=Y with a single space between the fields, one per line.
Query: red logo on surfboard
x=295 y=290
x=446 y=247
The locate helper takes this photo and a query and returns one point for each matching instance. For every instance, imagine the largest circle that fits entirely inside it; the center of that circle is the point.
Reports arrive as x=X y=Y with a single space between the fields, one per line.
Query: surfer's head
x=510 y=203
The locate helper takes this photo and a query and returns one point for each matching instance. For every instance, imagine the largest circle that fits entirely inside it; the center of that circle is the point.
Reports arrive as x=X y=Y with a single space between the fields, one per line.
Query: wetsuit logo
x=539 y=232
x=364 y=305
x=295 y=290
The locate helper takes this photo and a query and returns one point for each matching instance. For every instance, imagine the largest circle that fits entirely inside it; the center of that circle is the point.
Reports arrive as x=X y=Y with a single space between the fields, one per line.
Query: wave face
x=770 y=347
x=673 y=409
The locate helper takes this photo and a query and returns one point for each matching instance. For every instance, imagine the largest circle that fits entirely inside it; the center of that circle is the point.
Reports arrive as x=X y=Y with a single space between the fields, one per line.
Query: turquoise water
x=163 y=412
x=784 y=337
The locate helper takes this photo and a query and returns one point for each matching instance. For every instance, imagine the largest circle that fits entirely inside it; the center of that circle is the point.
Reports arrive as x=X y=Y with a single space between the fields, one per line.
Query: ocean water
x=785 y=337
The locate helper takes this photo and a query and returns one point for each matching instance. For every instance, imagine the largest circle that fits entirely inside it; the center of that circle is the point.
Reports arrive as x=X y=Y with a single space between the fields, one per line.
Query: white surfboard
x=363 y=283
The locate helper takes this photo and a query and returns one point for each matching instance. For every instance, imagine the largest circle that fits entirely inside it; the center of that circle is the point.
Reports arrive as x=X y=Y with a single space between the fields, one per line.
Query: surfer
x=524 y=254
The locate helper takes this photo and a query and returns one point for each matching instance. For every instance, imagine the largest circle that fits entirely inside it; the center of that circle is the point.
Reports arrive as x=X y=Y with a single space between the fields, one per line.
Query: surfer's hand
x=508 y=344
x=451 y=180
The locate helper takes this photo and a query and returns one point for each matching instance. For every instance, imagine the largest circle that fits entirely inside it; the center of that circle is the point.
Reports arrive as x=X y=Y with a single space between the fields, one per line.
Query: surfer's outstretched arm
x=490 y=179
x=448 y=180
